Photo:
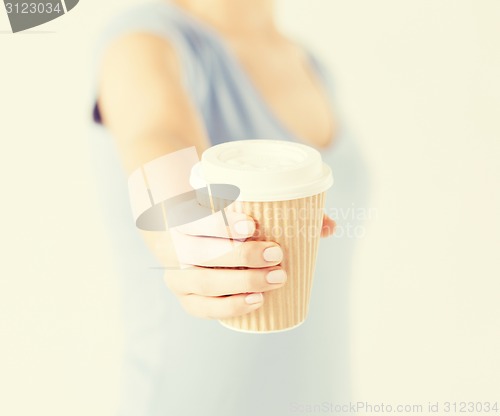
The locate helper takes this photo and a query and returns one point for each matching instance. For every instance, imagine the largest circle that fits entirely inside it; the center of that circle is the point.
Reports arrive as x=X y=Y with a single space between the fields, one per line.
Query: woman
x=170 y=75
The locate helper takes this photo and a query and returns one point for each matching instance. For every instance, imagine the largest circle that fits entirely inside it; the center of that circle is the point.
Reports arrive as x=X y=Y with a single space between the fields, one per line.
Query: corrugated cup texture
x=296 y=226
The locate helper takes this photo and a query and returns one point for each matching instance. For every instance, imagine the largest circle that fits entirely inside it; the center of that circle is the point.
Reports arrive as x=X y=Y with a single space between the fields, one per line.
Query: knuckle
x=234 y=307
x=183 y=257
x=213 y=312
x=248 y=283
x=246 y=254
x=243 y=256
x=202 y=284
x=253 y=281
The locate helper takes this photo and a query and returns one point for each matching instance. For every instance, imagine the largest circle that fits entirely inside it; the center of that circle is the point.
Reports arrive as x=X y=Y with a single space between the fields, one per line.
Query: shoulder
x=152 y=17
x=138 y=37
x=148 y=12
x=154 y=29
x=139 y=50
x=158 y=17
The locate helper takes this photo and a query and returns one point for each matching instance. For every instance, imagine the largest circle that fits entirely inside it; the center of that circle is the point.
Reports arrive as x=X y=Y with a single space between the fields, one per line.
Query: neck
x=234 y=18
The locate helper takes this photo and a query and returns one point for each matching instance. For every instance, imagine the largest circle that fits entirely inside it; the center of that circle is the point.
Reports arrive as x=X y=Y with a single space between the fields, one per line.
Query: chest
x=290 y=90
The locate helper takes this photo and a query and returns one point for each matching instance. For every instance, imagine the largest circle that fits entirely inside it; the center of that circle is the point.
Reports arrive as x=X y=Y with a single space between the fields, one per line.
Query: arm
x=143 y=102
x=147 y=111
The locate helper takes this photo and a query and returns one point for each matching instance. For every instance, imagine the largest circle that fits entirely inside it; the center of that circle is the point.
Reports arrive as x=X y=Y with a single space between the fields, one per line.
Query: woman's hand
x=154 y=116
x=226 y=276
x=217 y=277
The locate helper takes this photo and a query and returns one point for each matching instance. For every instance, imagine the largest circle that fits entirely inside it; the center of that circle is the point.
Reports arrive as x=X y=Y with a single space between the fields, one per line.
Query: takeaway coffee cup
x=282 y=186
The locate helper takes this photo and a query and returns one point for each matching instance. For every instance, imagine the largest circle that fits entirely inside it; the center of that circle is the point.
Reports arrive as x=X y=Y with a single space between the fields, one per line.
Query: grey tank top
x=175 y=364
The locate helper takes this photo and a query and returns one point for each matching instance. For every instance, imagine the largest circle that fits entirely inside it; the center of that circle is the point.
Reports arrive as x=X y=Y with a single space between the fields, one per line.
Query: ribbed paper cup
x=296 y=226
x=282 y=187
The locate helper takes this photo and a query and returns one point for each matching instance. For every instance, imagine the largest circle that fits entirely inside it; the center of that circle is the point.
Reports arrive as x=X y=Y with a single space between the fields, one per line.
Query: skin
x=147 y=110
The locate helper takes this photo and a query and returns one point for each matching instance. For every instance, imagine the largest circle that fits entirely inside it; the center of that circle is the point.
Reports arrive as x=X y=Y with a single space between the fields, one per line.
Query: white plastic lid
x=264 y=170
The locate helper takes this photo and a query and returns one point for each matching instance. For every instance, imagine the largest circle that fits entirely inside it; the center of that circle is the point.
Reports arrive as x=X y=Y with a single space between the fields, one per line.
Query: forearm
x=136 y=152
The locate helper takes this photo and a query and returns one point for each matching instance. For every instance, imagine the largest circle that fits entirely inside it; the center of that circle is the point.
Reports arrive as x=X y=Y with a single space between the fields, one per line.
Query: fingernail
x=245 y=227
x=273 y=254
x=254 y=298
x=276 y=276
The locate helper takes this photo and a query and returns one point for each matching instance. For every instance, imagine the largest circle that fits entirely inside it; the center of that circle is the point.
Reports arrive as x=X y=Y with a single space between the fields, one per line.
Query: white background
x=418 y=83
